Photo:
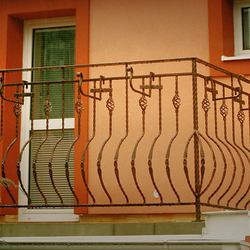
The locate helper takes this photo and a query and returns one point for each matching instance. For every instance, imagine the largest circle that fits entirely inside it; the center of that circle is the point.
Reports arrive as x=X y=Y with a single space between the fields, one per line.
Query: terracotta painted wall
x=12 y=17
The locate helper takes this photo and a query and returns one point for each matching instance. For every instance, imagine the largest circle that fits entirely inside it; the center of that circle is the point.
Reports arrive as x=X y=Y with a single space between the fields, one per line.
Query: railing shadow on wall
x=159 y=133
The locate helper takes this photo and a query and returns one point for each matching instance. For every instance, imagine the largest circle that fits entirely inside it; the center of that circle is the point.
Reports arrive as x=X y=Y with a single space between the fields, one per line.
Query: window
x=48 y=42
x=242 y=27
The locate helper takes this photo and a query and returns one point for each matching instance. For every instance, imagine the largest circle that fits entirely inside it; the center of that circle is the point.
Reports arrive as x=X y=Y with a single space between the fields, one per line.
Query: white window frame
x=238 y=33
x=37 y=215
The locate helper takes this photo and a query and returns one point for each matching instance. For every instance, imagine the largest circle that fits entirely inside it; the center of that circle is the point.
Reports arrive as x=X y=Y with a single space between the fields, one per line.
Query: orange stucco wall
x=143 y=29
x=139 y=30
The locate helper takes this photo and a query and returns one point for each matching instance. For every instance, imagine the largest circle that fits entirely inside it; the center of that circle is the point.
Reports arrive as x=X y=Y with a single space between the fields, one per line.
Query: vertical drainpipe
x=196 y=140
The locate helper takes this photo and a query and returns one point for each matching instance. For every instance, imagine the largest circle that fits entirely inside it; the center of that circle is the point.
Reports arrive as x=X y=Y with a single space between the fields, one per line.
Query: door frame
x=25 y=214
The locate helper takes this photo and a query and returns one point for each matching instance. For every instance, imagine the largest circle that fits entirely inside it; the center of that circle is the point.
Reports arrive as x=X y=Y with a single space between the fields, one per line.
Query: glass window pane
x=246 y=27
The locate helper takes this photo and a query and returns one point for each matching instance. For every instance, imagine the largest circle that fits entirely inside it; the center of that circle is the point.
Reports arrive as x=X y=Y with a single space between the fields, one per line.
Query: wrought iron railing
x=187 y=141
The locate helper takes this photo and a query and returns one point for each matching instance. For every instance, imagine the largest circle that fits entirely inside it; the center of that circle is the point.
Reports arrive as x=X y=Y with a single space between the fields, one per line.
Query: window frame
x=238 y=32
x=25 y=214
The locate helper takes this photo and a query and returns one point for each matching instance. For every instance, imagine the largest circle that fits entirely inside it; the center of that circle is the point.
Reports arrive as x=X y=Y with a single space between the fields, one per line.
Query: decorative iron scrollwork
x=47 y=107
x=224 y=110
x=79 y=106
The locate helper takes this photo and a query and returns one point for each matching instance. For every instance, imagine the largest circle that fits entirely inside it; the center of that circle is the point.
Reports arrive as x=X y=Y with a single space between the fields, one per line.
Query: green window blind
x=54 y=47
x=58 y=167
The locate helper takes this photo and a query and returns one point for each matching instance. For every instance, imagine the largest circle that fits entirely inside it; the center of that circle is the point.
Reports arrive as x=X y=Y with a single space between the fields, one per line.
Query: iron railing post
x=196 y=139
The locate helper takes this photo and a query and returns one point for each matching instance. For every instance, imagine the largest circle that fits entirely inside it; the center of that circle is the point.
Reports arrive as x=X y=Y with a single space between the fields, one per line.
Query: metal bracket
x=149 y=87
x=17 y=95
x=23 y=94
x=237 y=90
x=99 y=90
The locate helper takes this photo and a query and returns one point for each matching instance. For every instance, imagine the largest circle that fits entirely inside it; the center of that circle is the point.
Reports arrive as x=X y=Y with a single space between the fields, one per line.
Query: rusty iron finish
x=78 y=108
x=123 y=138
x=150 y=155
x=203 y=166
x=196 y=142
x=241 y=118
x=224 y=113
x=110 y=106
x=143 y=105
x=176 y=103
x=206 y=107
x=86 y=147
x=24 y=146
x=237 y=90
x=17 y=112
x=194 y=135
x=47 y=111
x=228 y=149
x=57 y=143
x=216 y=152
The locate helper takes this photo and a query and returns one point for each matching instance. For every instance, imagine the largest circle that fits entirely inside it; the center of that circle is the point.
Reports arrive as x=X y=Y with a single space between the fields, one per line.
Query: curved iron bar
x=80 y=75
x=23 y=148
x=47 y=111
x=241 y=119
x=110 y=107
x=233 y=132
x=151 y=78
x=143 y=105
x=59 y=140
x=79 y=108
x=185 y=156
x=237 y=152
x=214 y=168
x=86 y=147
x=228 y=149
x=122 y=140
x=22 y=94
x=150 y=155
x=206 y=107
x=176 y=102
x=17 y=112
x=185 y=164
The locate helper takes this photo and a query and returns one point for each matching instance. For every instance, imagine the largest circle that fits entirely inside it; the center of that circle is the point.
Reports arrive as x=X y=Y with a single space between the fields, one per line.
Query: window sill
x=234 y=58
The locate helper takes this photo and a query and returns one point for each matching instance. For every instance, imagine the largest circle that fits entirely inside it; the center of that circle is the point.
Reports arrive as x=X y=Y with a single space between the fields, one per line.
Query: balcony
x=158 y=136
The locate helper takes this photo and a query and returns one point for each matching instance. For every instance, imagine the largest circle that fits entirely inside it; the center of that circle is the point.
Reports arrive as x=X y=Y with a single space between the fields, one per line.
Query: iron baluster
x=206 y=106
x=25 y=145
x=59 y=140
x=241 y=118
x=123 y=138
x=110 y=106
x=78 y=108
x=176 y=103
x=150 y=155
x=47 y=111
x=17 y=113
x=143 y=105
x=196 y=142
x=83 y=172
x=224 y=113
